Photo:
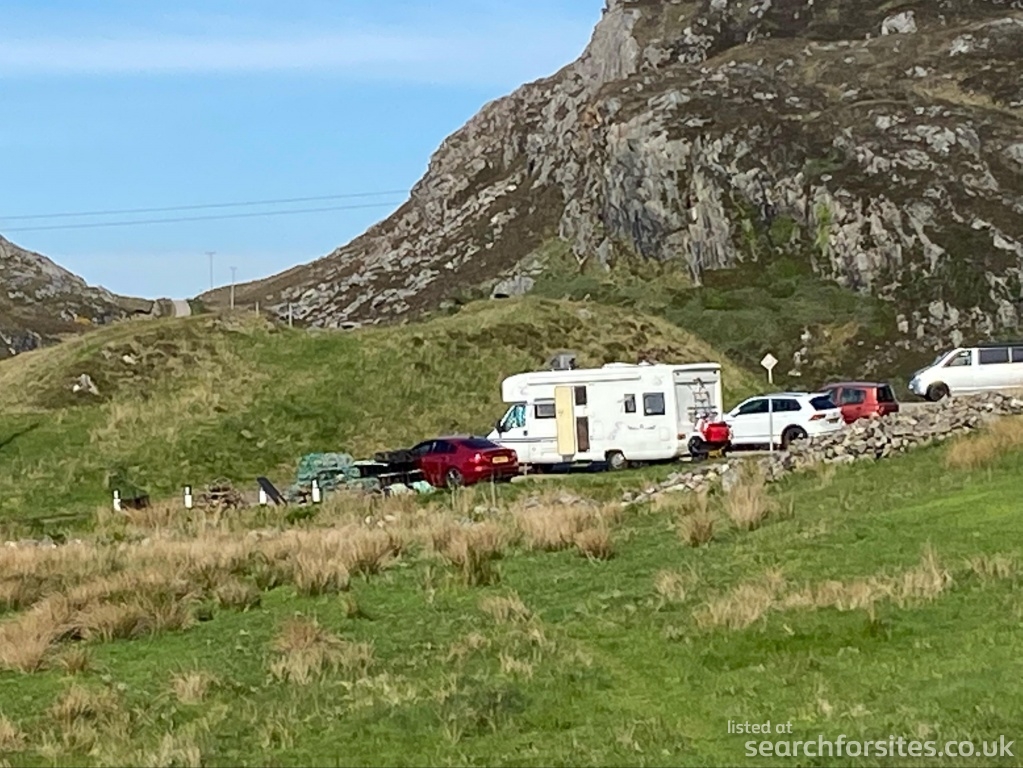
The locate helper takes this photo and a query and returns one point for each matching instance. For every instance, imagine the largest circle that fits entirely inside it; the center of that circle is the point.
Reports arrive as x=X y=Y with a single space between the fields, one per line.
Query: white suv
x=790 y=415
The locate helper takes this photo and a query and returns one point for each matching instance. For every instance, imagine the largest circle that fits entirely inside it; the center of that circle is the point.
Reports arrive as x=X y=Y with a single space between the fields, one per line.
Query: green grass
x=187 y=400
x=758 y=307
x=617 y=675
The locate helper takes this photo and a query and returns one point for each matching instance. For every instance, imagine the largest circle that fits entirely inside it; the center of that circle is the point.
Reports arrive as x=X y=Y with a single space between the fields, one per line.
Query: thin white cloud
x=494 y=53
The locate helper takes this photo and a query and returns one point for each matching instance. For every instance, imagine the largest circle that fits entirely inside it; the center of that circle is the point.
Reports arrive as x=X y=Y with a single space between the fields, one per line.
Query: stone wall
x=864 y=440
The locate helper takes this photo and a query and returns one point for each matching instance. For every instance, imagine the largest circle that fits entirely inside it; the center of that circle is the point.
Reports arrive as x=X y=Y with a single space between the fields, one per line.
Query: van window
x=993 y=355
x=653 y=404
x=544 y=410
x=852 y=397
x=963 y=358
x=1017 y=354
x=630 y=402
x=580 y=395
x=885 y=394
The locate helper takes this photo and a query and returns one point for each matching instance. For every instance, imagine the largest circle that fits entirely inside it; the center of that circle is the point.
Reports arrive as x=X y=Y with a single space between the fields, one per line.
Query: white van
x=966 y=370
x=613 y=415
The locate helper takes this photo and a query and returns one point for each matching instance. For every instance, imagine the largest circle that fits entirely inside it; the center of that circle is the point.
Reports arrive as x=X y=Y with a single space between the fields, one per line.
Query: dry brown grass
x=78 y=704
x=468 y=645
x=747 y=503
x=994 y=567
x=305 y=651
x=749 y=602
x=552 y=527
x=75 y=661
x=12 y=739
x=192 y=686
x=239 y=594
x=975 y=451
x=506 y=609
x=472 y=549
x=697 y=529
x=671 y=586
x=595 y=543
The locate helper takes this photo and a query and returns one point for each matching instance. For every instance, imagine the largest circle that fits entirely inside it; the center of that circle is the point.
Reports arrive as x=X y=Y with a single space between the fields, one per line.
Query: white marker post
x=263 y=500
x=188 y=497
x=768 y=363
x=117 y=501
x=316 y=492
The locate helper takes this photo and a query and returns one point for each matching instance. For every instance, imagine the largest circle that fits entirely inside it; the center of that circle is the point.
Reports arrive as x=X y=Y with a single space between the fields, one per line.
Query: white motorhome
x=967 y=370
x=614 y=414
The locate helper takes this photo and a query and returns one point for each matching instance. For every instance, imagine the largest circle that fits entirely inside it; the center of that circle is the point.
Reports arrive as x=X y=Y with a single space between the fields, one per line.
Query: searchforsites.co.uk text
x=843 y=746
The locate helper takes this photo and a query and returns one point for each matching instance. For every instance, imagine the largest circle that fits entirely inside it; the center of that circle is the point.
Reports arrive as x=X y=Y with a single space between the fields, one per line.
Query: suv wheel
x=937 y=392
x=790 y=434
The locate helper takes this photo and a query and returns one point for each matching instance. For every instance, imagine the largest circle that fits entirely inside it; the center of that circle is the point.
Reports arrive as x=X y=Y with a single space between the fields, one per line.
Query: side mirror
x=499 y=427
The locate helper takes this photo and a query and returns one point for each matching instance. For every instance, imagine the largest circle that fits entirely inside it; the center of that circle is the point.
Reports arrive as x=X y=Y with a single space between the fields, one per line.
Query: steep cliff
x=40 y=301
x=878 y=141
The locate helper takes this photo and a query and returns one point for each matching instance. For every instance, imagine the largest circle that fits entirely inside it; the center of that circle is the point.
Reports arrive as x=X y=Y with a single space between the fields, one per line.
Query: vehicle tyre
x=790 y=434
x=696 y=448
x=616 y=461
x=453 y=478
x=937 y=392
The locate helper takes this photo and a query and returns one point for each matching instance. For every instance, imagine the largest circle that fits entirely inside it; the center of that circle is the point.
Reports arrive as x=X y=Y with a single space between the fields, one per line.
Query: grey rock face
x=888 y=142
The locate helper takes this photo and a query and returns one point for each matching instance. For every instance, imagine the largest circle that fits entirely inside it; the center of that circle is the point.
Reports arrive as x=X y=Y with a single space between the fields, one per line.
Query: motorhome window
x=993 y=355
x=580 y=395
x=852 y=397
x=653 y=404
x=963 y=358
x=515 y=418
x=1017 y=354
x=544 y=411
x=630 y=401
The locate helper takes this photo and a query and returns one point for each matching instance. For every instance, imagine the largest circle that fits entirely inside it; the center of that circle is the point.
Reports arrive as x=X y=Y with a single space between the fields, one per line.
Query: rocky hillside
x=878 y=141
x=40 y=301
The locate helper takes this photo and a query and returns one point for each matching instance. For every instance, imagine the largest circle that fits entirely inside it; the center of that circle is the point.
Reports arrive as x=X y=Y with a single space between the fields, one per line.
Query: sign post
x=768 y=363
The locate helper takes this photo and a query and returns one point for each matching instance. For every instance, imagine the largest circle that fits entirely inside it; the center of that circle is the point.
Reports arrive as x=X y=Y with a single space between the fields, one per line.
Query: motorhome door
x=564 y=409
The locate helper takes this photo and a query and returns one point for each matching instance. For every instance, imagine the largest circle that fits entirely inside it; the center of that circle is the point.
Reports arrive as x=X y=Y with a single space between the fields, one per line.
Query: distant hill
x=188 y=400
x=869 y=144
x=41 y=302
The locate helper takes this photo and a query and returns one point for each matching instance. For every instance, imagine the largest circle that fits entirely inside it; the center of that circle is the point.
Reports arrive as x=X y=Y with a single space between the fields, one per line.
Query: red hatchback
x=863 y=399
x=454 y=461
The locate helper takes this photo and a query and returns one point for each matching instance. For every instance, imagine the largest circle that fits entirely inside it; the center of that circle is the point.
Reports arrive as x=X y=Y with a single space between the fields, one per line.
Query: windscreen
x=822 y=403
x=885 y=395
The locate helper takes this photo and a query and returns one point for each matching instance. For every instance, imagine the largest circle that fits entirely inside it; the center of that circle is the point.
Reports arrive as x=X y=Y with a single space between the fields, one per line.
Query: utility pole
x=233 y=270
x=211 y=254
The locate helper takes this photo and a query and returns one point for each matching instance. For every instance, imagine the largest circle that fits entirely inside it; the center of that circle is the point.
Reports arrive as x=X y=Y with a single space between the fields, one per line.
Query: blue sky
x=120 y=105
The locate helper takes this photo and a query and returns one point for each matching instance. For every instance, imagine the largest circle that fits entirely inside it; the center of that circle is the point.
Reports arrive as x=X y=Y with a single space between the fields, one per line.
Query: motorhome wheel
x=616 y=461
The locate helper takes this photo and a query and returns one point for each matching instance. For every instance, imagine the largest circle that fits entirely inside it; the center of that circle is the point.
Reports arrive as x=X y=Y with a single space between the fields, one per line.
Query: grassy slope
x=205 y=397
x=629 y=680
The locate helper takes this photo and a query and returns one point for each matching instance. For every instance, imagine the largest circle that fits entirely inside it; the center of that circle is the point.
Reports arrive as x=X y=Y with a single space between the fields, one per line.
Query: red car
x=449 y=462
x=863 y=399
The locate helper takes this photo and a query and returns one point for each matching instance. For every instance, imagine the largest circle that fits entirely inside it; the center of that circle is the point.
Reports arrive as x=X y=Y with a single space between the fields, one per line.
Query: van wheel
x=616 y=461
x=453 y=478
x=937 y=392
x=790 y=434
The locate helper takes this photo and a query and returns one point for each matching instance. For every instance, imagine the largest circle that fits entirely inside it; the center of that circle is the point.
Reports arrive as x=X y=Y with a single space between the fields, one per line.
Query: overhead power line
x=179 y=219
x=203 y=206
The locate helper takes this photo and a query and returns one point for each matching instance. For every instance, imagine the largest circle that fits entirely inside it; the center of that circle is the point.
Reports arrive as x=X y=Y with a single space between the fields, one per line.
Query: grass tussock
x=12 y=739
x=747 y=503
x=976 y=451
x=595 y=543
x=994 y=567
x=554 y=527
x=697 y=529
x=743 y=606
x=506 y=609
x=472 y=549
x=671 y=587
x=79 y=704
x=305 y=651
x=76 y=660
x=192 y=686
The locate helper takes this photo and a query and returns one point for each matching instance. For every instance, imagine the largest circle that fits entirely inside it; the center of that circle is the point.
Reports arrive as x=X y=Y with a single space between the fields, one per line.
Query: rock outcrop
x=42 y=301
x=880 y=144
x=864 y=440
